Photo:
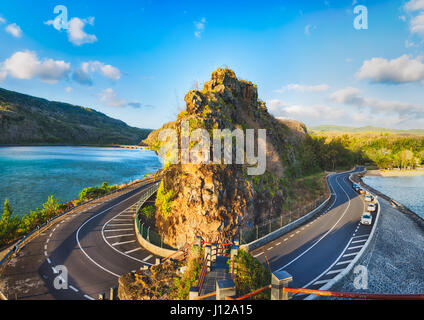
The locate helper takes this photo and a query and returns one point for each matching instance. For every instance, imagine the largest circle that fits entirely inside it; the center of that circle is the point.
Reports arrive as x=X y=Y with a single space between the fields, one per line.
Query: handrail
x=202 y=276
x=353 y=295
x=251 y=294
x=212 y=294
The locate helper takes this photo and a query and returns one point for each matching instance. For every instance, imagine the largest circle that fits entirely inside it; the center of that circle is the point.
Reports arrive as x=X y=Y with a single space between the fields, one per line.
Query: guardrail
x=249 y=235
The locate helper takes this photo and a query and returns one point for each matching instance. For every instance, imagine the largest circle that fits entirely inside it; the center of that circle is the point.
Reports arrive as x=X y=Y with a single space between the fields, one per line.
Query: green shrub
x=251 y=275
x=148 y=212
x=94 y=192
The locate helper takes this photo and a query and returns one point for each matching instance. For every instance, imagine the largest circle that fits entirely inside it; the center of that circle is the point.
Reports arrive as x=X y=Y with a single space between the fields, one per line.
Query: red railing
x=251 y=294
x=202 y=276
x=183 y=250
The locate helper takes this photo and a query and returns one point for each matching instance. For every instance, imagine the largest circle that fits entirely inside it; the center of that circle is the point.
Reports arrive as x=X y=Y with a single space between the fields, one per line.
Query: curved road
x=96 y=246
x=320 y=249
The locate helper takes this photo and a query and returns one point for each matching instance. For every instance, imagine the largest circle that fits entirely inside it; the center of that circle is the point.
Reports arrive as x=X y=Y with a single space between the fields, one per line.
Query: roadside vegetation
x=13 y=227
x=251 y=275
x=384 y=150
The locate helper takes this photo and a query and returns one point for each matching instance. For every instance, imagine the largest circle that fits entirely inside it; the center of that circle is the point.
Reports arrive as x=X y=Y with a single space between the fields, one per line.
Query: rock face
x=211 y=200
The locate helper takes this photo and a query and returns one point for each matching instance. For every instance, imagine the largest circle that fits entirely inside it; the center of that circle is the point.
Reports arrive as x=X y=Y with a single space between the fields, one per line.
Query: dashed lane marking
x=270 y=248
x=278 y=243
x=120 y=224
x=48 y=260
x=255 y=256
x=363 y=235
x=88 y=297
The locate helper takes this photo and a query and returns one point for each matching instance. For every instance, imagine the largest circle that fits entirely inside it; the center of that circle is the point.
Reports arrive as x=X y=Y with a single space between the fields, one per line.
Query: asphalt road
x=321 y=248
x=96 y=246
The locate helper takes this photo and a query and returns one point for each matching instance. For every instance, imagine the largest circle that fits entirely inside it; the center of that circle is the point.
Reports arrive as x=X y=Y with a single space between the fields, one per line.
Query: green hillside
x=346 y=129
x=29 y=120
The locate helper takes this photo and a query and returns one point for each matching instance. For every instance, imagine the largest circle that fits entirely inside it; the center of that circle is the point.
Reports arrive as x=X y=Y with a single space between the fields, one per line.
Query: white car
x=368 y=198
x=366 y=219
x=371 y=207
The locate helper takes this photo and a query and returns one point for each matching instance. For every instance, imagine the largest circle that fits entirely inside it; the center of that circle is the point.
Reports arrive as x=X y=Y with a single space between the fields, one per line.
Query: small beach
x=395 y=173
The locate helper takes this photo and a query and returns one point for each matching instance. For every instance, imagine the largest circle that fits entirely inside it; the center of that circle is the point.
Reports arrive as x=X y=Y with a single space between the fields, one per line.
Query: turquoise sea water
x=28 y=175
x=407 y=190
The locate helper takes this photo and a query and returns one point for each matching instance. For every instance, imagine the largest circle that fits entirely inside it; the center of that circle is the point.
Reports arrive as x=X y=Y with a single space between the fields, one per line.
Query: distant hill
x=332 y=128
x=29 y=120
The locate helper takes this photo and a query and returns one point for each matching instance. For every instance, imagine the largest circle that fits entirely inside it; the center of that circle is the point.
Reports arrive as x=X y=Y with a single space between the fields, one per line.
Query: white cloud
x=111 y=99
x=76 y=33
x=352 y=96
x=304 y=112
x=400 y=70
x=414 y=5
x=14 y=30
x=417 y=24
x=68 y=89
x=82 y=75
x=26 y=65
x=2 y=20
x=199 y=27
x=304 y=88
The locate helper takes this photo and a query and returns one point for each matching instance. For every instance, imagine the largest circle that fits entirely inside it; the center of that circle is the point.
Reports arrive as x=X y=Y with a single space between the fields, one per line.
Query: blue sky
x=135 y=60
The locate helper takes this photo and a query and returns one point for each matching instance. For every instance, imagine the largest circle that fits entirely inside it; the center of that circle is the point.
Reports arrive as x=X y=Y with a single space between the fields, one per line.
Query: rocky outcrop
x=214 y=201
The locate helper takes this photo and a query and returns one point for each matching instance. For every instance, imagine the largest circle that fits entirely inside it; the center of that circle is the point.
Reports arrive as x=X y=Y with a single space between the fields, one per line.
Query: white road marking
x=48 y=260
x=122 y=235
x=350 y=254
x=45 y=253
x=358 y=241
x=335 y=271
x=323 y=236
x=269 y=248
x=322 y=281
x=73 y=288
x=48 y=240
x=357 y=247
x=120 y=224
x=255 y=256
x=133 y=250
x=110 y=230
x=364 y=235
x=285 y=239
x=344 y=262
x=93 y=217
x=278 y=243
x=88 y=297
x=45 y=247
x=147 y=258
x=125 y=242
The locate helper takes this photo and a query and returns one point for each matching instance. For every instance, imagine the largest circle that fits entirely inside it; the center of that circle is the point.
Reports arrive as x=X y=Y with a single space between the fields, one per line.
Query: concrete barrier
x=162 y=252
x=283 y=230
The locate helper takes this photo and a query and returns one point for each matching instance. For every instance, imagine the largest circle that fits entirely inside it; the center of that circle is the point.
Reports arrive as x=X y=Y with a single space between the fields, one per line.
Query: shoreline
x=394 y=173
x=395 y=204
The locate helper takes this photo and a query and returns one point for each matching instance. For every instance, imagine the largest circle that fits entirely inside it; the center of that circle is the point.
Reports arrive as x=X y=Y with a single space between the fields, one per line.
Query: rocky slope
x=28 y=120
x=214 y=201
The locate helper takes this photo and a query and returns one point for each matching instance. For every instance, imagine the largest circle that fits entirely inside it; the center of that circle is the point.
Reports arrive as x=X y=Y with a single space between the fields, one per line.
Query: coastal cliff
x=215 y=200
